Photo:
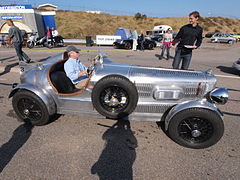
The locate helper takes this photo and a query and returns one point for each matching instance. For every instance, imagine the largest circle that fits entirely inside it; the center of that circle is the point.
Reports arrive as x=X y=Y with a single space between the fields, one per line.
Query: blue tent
x=123 y=32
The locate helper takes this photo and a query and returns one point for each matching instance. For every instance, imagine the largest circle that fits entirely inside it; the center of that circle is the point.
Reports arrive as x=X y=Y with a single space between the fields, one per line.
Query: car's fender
x=41 y=93
x=200 y=103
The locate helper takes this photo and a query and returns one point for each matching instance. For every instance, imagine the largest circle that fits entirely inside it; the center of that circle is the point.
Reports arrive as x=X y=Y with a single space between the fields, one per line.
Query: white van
x=158 y=30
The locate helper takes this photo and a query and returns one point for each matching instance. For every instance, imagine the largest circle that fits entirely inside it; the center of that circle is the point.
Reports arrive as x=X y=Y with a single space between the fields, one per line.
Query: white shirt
x=167 y=37
x=54 y=33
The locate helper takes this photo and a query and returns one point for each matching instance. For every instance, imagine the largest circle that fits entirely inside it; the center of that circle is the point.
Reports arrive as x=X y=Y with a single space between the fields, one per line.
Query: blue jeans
x=21 y=55
x=186 y=58
x=163 y=50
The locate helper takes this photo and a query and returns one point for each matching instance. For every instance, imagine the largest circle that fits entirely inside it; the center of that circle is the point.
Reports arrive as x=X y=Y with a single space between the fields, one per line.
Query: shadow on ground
x=8 y=68
x=18 y=139
x=228 y=70
x=4 y=59
x=117 y=158
x=231 y=114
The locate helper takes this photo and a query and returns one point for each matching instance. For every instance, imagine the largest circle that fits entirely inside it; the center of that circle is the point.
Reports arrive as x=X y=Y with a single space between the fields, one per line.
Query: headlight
x=218 y=95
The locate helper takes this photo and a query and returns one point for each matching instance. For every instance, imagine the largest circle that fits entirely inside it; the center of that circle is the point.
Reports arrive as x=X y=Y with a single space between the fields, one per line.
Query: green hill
x=78 y=24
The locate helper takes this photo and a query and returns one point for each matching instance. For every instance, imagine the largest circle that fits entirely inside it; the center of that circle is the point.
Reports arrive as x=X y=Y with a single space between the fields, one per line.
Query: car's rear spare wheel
x=30 y=108
x=114 y=97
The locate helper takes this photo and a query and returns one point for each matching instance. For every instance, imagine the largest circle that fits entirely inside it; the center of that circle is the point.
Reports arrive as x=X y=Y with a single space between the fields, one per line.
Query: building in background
x=47 y=7
x=26 y=18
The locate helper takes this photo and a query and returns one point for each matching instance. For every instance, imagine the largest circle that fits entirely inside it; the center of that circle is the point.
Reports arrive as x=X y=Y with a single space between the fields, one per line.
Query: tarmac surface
x=74 y=147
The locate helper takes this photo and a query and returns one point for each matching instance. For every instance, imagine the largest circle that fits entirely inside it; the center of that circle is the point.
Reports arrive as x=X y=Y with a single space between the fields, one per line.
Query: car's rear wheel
x=196 y=128
x=30 y=108
x=128 y=45
x=114 y=97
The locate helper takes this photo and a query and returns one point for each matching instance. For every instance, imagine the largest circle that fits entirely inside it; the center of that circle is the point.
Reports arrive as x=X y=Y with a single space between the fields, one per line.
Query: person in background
x=74 y=69
x=166 y=43
x=189 y=38
x=49 y=34
x=15 y=37
x=135 y=38
x=55 y=35
x=54 y=32
x=142 y=39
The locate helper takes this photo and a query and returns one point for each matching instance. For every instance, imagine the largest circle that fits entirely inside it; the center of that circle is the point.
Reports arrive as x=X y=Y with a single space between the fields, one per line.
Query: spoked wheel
x=196 y=128
x=30 y=108
x=114 y=97
x=30 y=45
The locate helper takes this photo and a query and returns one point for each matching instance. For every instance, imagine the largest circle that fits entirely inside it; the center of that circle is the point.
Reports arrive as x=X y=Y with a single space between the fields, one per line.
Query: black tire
x=116 y=90
x=196 y=128
x=150 y=46
x=30 y=45
x=115 y=46
x=128 y=45
x=230 y=42
x=30 y=108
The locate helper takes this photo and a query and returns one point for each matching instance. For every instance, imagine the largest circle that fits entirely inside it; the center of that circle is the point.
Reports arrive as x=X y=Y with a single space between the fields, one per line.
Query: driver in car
x=74 y=69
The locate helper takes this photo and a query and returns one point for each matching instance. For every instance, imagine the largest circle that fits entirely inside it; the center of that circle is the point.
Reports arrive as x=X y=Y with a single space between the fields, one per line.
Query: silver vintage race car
x=184 y=100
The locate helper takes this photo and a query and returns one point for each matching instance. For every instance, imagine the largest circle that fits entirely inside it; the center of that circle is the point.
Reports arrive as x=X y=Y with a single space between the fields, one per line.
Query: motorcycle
x=44 y=41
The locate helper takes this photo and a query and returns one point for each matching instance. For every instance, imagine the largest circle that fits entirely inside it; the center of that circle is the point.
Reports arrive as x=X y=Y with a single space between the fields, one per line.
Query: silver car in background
x=223 y=38
x=185 y=101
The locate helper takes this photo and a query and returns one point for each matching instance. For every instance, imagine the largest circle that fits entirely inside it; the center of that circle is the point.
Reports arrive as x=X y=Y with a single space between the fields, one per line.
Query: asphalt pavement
x=74 y=147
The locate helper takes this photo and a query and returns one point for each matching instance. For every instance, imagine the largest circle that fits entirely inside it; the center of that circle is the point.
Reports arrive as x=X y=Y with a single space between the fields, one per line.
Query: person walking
x=189 y=38
x=166 y=43
x=142 y=39
x=135 y=38
x=15 y=35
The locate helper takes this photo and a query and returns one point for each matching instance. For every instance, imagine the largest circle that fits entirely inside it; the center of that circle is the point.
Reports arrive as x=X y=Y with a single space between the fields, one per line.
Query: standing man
x=135 y=38
x=189 y=38
x=16 y=39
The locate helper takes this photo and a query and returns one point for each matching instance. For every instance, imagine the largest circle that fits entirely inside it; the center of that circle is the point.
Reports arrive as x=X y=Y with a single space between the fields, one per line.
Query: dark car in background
x=157 y=37
x=127 y=43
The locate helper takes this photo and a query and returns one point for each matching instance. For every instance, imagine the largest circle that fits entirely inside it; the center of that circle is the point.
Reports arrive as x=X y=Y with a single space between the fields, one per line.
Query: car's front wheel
x=196 y=128
x=30 y=108
x=114 y=97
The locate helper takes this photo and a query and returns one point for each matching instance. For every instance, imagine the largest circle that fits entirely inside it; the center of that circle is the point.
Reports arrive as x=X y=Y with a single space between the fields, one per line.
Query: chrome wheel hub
x=26 y=112
x=113 y=101
x=196 y=133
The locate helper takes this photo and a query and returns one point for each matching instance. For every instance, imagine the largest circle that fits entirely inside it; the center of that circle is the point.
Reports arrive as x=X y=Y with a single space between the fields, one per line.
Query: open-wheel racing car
x=184 y=100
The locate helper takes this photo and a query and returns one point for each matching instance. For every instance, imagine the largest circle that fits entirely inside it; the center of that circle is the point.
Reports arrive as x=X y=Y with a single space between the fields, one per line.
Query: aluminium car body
x=236 y=64
x=184 y=100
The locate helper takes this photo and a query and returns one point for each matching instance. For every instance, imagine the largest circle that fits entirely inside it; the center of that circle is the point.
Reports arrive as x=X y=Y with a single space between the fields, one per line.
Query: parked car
x=185 y=101
x=209 y=35
x=236 y=64
x=157 y=38
x=127 y=43
x=236 y=35
x=223 y=38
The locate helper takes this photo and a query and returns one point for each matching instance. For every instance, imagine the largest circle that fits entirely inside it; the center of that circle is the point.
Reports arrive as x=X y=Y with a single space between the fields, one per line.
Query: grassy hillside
x=77 y=24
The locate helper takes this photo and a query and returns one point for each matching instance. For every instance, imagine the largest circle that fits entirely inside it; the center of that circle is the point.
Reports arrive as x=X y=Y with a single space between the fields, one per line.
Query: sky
x=152 y=8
